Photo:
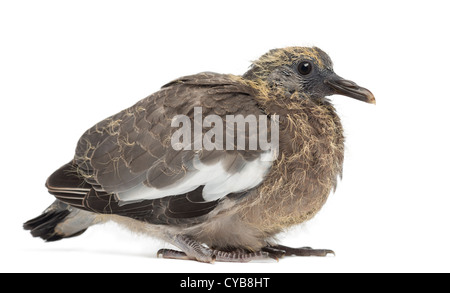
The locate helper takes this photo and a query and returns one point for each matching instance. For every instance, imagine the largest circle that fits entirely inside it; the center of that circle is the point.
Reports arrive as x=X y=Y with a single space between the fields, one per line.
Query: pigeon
x=207 y=188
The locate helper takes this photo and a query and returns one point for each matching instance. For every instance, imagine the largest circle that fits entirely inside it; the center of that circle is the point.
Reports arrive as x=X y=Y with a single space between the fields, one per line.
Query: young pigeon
x=214 y=204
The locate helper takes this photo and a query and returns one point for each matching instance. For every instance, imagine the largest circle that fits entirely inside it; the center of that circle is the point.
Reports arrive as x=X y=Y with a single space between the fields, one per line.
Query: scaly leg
x=193 y=250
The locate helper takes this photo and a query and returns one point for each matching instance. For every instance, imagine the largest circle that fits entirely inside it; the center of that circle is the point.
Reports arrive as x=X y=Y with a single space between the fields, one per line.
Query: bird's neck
x=290 y=106
x=277 y=101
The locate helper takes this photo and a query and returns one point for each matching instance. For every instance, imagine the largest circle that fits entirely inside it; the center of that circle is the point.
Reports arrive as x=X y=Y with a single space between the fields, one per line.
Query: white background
x=66 y=65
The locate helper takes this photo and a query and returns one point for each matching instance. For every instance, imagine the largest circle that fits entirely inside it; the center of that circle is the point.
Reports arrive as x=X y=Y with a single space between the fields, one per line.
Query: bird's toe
x=302 y=251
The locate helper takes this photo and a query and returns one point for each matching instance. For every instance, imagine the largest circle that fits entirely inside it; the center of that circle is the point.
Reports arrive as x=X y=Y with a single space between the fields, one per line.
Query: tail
x=60 y=221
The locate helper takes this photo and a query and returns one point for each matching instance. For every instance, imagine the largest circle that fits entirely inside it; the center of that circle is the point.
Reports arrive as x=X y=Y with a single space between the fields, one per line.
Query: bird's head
x=305 y=71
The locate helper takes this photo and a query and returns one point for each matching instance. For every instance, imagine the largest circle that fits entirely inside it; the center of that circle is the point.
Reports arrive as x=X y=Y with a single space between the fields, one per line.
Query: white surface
x=65 y=66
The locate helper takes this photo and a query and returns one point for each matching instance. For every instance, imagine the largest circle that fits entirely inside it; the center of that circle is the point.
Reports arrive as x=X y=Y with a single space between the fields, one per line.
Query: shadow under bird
x=214 y=205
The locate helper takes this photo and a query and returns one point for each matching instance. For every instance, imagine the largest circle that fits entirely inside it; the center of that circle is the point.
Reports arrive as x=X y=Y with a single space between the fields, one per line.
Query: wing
x=126 y=163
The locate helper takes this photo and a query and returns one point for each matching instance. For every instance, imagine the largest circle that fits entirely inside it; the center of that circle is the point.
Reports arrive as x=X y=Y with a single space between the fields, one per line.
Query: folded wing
x=126 y=165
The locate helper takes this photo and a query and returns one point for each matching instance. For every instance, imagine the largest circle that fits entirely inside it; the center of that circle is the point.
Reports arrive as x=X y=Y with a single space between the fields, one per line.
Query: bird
x=214 y=204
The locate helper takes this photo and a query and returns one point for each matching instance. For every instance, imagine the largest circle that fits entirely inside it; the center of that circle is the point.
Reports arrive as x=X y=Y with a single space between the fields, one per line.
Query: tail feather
x=44 y=225
x=59 y=221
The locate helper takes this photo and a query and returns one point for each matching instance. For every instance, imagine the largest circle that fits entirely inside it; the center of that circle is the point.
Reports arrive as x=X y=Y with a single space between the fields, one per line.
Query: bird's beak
x=350 y=89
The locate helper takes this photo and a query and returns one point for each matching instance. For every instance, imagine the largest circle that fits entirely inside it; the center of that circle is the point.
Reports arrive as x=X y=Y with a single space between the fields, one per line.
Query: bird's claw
x=193 y=250
x=281 y=250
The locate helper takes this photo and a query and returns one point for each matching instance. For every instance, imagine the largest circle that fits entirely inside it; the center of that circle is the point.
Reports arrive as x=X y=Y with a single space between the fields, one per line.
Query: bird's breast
x=311 y=157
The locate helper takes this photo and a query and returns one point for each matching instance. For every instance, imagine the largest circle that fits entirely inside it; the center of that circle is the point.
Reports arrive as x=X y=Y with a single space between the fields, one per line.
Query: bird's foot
x=173 y=254
x=193 y=250
x=281 y=250
x=217 y=255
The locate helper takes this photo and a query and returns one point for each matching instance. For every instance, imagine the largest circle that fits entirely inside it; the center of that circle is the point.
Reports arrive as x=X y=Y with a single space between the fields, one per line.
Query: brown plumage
x=215 y=204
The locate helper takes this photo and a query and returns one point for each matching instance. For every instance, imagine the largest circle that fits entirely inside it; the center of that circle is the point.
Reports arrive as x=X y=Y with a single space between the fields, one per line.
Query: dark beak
x=350 y=89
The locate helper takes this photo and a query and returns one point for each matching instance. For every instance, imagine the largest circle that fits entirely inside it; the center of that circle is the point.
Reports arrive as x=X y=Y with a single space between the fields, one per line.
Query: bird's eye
x=304 y=67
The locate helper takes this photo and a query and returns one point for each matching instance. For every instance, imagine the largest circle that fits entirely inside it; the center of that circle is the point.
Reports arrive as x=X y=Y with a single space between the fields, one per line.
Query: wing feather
x=127 y=165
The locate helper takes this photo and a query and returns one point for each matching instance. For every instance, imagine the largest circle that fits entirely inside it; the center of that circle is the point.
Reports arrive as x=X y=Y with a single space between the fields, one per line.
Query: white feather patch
x=217 y=181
